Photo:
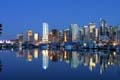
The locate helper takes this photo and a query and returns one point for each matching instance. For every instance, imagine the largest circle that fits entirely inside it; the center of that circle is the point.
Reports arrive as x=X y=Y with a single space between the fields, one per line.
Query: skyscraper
x=29 y=35
x=92 y=30
x=67 y=35
x=74 y=32
x=55 y=34
x=86 y=34
x=103 y=31
x=45 y=33
x=61 y=36
x=102 y=26
x=81 y=32
x=118 y=34
x=36 y=37
x=96 y=33
x=21 y=38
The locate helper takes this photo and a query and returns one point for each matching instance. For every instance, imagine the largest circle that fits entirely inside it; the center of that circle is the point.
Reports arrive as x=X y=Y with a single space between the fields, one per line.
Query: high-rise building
x=61 y=36
x=92 y=30
x=67 y=35
x=86 y=33
x=36 y=37
x=74 y=32
x=103 y=31
x=50 y=37
x=96 y=34
x=55 y=35
x=102 y=27
x=20 y=38
x=45 y=33
x=118 y=34
x=81 y=32
x=29 y=35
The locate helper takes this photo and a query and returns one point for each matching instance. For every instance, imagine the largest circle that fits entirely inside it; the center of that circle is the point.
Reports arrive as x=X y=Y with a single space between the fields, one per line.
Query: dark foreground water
x=59 y=65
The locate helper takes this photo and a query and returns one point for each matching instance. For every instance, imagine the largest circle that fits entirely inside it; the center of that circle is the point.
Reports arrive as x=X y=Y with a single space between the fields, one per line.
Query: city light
x=75 y=37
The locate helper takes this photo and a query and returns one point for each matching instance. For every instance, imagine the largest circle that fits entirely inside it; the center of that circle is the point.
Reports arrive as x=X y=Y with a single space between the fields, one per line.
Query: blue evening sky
x=20 y=15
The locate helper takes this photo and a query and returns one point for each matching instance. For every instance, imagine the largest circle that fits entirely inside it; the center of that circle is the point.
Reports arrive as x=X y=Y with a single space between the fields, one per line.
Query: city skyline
x=59 y=14
x=41 y=32
x=59 y=39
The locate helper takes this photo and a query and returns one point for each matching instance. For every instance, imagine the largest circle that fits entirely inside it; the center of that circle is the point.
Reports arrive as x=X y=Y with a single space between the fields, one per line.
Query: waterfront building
x=86 y=33
x=96 y=34
x=45 y=33
x=102 y=27
x=20 y=38
x=36 y=37
x=91 y=32
x=67 y=35
x=50 y=38
x=29 y=36
x=55 y=35
x=81 y=34
x=74 y=32
x=118 y=34
x=61 y=36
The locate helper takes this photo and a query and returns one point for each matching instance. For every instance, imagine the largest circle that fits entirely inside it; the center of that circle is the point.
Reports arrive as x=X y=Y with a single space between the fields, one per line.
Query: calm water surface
x=59 y=65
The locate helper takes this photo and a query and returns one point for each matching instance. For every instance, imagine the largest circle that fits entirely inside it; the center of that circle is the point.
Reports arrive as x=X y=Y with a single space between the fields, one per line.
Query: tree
x=0 y=29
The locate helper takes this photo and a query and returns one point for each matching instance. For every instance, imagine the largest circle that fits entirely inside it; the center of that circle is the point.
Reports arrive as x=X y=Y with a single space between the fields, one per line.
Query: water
x=59 y=65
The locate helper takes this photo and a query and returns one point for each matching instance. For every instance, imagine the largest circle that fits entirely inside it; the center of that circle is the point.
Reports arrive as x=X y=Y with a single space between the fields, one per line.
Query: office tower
x=91 y=27
x=50 y=37
x=36 y=37
x=102 y=27
x=92 y=31
x=74 y=32
x=112 y=33
x=118 y=34
x=55 y=35
x=20 y=38
x=45 y=59
x=61 y=36
x=96 y=34
x=29 y=36
x=86 y=33
x=103 y=31
x=45 y=33
x=67 y=35
x=81 y=34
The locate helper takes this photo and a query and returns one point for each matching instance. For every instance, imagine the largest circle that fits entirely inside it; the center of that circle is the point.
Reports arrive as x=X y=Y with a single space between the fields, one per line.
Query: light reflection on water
x=75 y=59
